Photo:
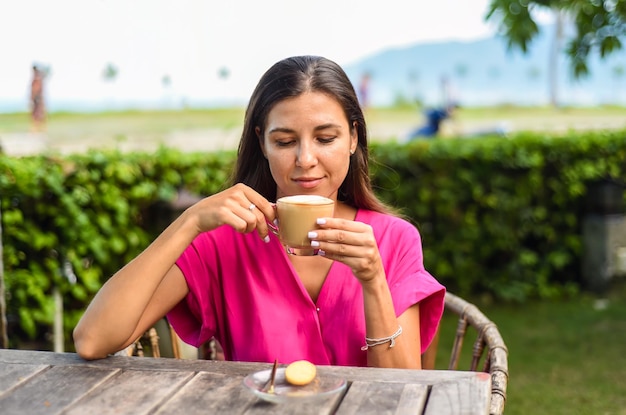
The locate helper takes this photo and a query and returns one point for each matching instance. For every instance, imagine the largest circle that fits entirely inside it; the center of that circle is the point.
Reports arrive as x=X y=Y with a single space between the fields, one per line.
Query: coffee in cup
x=297 y=216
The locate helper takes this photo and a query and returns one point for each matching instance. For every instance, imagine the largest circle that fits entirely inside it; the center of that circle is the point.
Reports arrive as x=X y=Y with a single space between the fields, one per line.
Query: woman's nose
x=306 y=156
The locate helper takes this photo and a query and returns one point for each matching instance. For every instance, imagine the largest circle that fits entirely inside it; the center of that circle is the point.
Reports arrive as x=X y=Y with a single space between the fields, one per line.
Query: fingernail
x=320 y=252
x=312 y=235
x=266 y=239
x=275 y=222
x=315 y=244
x=321 y=221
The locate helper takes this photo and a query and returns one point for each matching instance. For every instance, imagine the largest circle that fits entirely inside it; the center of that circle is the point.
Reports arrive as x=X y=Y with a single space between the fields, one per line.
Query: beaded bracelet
x=375 y=342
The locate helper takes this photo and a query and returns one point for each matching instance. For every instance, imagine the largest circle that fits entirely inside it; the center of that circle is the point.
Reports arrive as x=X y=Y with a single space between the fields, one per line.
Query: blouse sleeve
x=195 y=317
x=409 y=282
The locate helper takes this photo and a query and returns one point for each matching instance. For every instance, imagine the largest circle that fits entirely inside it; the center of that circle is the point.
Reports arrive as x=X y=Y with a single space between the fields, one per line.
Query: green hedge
x=501 y=216
x=72 y=222
x=497 y=216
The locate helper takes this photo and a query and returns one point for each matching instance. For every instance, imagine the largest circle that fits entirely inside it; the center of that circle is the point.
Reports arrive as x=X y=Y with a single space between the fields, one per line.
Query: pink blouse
x=247 y=294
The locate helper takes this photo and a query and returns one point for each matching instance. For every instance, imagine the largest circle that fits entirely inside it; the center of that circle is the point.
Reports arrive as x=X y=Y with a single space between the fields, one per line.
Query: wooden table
x=33 y=382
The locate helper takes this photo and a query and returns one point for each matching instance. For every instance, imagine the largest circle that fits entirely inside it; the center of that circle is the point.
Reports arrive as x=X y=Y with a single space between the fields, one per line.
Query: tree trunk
x=553 y=69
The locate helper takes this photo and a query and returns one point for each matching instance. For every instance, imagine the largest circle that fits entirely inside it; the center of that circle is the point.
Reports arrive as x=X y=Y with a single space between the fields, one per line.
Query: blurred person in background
x=364 y=89
x=434 y=118
x=37 y=101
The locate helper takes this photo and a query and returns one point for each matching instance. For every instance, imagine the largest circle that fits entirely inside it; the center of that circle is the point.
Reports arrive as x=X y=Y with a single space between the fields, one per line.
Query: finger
x=337 y=223
x=263 y=210
x=364 y=262
x=252 y=207
x=252 y=197
x=339 y=236
x=260 y=222
x=339 y=251
x=262 y=205
x=341 y=243
x=244 y=220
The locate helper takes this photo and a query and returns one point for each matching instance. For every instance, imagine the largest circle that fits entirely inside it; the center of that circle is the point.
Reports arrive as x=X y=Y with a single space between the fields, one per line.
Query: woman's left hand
x=351 y=243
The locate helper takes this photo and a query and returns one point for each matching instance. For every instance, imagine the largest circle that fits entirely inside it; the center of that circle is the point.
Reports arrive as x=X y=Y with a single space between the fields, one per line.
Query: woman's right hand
x=239 y=207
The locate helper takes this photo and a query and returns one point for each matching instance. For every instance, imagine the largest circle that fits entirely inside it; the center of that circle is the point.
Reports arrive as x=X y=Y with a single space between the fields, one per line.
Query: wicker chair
x=159 y=341
x=488 y=336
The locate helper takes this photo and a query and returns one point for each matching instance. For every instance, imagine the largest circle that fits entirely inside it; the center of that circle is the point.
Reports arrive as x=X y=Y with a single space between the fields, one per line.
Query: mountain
x=483 y=72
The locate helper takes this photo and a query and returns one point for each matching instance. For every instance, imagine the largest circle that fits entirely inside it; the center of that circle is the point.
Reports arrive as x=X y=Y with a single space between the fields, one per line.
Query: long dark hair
x=289 y=78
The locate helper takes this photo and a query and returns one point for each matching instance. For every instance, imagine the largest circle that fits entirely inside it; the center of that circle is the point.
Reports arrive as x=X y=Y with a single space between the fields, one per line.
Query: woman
x=218 y=271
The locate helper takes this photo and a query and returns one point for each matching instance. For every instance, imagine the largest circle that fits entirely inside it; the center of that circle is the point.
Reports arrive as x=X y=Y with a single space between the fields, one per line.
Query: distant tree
x=600 y=26
x=109 y=75
x=223 y=72
x=414 y=80
x=533 y=73
x=110 y=72
x=461 y=70
x=400 y=100
x=493 y=72
x=166 y=81
x=618 y=73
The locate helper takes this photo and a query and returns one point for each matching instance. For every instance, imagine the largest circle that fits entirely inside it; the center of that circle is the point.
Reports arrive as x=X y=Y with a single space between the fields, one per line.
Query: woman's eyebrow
x=327 y=126
x=317 y=128
x=280 y=130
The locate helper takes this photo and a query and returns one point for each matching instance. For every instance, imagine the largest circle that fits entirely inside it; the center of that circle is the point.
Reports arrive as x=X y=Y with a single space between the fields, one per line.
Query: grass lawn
x=565 y=357
x=75 y=131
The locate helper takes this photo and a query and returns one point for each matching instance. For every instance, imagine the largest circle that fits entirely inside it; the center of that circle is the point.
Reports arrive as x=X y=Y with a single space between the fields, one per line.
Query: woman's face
x=307 y=142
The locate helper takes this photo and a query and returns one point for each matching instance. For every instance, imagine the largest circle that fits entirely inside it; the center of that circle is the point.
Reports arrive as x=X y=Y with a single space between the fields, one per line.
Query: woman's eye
x=284 y=143
x=326 y=140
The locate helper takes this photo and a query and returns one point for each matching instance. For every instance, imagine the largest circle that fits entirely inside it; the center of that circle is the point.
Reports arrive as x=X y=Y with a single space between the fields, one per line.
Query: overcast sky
x=190 y=40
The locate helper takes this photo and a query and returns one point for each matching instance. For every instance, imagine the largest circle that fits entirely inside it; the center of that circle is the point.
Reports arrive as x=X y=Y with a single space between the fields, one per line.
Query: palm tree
x=166 y=83
x=618 y=73
x=533 y=73
x=414 y=79
x=553 y=60
x=461 y=70
x=223 y=73
x=110 y=72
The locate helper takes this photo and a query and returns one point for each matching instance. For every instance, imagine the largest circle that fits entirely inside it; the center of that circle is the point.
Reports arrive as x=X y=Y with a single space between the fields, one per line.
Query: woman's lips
x=307 y=183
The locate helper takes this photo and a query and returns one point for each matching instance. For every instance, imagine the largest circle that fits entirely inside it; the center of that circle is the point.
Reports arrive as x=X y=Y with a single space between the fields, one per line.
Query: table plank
x=321 y=406
x=413 y=399
x=13 y=374
x=383 y=398
x=461 y=398
x=130 y=392
x=50 y=391
x=209 y=393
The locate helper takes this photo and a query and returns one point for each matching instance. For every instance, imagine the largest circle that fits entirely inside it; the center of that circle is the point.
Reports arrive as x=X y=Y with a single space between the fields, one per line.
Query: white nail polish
x=312 y=235
x=315 y=244
x=266 y=239
x=320 y=221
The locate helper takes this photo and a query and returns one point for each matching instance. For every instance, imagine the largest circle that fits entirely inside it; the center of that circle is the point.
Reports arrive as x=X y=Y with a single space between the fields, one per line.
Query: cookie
x=300 y=372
